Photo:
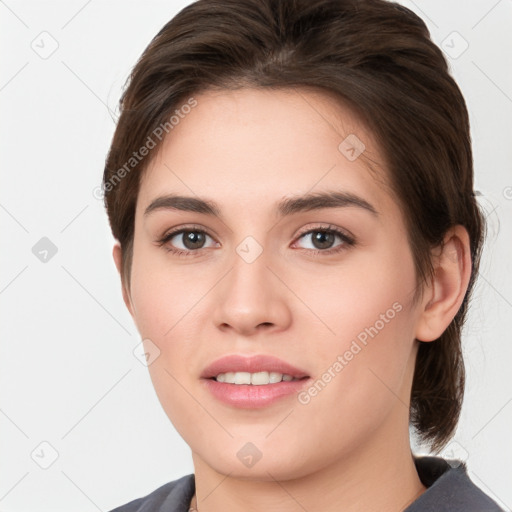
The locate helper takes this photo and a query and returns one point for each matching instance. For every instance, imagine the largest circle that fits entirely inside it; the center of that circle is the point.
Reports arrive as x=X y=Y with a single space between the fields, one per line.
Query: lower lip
x=249 y=396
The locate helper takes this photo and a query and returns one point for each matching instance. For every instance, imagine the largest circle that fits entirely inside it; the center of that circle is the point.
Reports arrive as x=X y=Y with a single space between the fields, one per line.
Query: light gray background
x=69 y=378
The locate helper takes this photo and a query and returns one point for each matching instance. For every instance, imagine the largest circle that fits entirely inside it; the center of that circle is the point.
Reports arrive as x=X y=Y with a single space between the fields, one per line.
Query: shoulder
x=173 y=496
x=449 y=488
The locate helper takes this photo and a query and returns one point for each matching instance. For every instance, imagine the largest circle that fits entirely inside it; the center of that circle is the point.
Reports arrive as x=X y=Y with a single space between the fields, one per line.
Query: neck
x=379 y=476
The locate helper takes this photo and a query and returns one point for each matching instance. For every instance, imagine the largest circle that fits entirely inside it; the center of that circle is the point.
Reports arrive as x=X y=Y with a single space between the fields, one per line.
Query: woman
x=290 y=185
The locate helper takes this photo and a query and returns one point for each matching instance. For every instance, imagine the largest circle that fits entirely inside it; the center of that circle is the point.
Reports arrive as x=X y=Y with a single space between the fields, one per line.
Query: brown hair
x=379 y=58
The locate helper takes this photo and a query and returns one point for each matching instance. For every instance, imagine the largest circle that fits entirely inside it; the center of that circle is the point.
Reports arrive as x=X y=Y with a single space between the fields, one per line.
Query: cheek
x=164 y=295
x=165 y=302
x=364 y=292
x=364 y=330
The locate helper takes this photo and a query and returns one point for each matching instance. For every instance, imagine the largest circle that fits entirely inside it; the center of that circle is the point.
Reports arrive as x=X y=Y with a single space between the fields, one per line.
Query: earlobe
x=452 y=271
x=117 y=254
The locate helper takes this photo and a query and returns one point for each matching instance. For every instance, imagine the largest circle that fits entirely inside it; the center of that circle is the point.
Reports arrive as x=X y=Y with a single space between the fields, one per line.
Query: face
x=324 y=286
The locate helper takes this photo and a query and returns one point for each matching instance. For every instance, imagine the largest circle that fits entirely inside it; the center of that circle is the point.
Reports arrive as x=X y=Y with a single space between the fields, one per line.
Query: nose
x=251 y=298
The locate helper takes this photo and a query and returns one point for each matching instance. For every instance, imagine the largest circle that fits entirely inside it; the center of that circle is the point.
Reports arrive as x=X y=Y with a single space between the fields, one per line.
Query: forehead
x=248 y=145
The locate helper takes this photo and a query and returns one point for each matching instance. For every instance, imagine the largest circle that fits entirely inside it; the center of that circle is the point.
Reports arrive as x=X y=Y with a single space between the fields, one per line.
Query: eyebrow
x=288 y=206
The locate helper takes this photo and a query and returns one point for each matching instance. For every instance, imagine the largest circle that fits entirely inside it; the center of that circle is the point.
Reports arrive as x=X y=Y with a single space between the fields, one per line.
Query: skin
x=349 y=446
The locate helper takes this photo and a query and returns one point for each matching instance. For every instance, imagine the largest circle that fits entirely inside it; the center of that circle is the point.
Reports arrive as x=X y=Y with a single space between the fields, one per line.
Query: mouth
x=262 y=378
x=257 y=370
x=252 y=382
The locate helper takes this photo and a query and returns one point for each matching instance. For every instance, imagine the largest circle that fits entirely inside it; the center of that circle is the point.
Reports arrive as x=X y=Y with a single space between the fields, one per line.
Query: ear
x=444 y=296
x=117 y=253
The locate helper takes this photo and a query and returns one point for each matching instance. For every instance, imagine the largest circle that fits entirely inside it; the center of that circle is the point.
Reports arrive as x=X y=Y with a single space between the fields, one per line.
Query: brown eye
x=186 y=241
x=193 y=239
x=324 y=240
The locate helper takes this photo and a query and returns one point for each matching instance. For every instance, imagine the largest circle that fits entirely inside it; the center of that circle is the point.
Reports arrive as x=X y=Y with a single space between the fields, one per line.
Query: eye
x=323 y=239
x=190 y=240
x=185 y=241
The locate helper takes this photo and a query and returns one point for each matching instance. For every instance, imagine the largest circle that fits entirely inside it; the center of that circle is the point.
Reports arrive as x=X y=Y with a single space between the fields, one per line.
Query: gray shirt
x=449 y=489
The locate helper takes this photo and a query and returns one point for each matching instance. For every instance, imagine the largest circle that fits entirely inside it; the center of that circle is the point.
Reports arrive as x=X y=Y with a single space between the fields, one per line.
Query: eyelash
x=347 y=240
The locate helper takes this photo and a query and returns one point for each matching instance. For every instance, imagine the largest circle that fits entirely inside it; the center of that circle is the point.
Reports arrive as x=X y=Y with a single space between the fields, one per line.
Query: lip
x=248 y=396
x=251 y=364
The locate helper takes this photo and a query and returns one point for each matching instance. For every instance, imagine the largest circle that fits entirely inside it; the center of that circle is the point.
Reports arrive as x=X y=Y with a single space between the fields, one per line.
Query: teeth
x=256 y=379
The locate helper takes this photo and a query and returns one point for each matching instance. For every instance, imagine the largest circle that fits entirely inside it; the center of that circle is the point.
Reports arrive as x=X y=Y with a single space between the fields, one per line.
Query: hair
x=377 y=57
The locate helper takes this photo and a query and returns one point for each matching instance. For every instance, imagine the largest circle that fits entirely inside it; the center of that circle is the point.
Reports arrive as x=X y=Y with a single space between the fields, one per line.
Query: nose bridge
x=250 y=295
x=249 y=279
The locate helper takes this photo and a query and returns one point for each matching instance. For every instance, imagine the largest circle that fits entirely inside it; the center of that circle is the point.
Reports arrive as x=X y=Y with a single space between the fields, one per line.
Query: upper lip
x=251 y=364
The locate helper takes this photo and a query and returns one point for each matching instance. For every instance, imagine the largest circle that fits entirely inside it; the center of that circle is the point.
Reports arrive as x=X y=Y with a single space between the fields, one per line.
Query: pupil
x=323 y=239
x=193 y=240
